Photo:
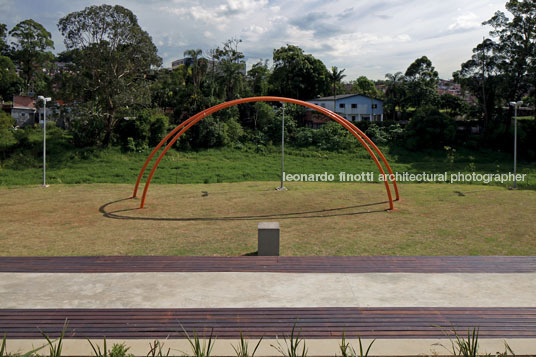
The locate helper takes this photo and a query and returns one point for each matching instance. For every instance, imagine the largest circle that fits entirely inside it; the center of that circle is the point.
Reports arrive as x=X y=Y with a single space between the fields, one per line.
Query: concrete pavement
x=242 y=290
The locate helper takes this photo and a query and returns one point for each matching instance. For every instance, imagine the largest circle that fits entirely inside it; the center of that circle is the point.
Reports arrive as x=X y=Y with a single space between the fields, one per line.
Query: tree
x=395 y=95
x=298 y=75
x=481 y=75
x=7 y=139
x=453 y=104
x=516 y=48
x=258 y=77
x=198 y=67
x=31 y=41
x=232 y=68
x=365 y=86
x=4 y=47
x=429 y=128
x=421 y=79
x=335 y=77
x=113 y=57
x=10 y=82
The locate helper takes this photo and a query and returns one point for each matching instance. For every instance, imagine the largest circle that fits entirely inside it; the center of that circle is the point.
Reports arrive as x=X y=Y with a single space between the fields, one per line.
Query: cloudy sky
x=366 y=37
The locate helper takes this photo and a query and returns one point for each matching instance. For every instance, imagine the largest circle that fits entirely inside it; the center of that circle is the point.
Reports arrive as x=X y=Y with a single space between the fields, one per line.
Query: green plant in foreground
x=3 y=351
x=120 y=350
x=55 y=347
x=292 y=345
x=200 y=349
x=349 y=351
x=156 y=349
x=97 y=351
x=506 y=350
x=463 y=347
x=242 y=349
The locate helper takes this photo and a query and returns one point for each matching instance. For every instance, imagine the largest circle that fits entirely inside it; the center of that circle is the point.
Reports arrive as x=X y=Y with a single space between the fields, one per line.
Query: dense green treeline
x=118 y=94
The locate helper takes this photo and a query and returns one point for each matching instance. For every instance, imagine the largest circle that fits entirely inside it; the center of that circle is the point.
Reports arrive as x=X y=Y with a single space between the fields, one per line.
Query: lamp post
x=44 y=100
x=515 y=105
x=282 y=187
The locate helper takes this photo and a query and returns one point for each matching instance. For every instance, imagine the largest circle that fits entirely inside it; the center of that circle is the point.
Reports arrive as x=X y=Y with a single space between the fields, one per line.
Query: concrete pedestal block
x=268 y=238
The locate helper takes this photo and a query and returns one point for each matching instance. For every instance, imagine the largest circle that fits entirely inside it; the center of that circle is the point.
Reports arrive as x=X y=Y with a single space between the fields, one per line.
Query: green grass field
x=246 y=164
x=221 y=219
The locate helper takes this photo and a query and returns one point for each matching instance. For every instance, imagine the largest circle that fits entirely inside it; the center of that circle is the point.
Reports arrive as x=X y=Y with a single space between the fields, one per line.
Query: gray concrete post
x=268 y=238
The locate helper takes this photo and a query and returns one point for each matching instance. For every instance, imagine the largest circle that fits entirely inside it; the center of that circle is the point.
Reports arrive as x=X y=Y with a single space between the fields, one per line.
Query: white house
x=23 y=110
x=353 y=107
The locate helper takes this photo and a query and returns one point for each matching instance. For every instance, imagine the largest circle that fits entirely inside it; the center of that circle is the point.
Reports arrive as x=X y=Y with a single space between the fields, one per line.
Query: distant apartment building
x=352 y=107
x=449 y=87
x=183 y=61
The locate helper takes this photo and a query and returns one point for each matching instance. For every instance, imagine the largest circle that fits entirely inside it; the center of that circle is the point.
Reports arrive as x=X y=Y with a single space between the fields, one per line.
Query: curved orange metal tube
x=354 y=128
x=362 y=138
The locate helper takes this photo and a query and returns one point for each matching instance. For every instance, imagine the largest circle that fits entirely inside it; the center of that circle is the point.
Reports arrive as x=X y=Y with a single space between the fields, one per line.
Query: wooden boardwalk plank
x=269 y=322
x=114 y=264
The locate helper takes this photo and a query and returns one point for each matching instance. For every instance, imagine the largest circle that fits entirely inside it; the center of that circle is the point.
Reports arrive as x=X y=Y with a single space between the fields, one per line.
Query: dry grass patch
x=316 y=219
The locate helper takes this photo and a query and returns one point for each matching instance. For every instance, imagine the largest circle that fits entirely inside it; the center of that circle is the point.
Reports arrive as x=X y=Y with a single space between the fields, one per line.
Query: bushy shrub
x=429 y=129
x=142 y=130
x=7 y=138
x=527 y=139
x=86 y=125
x=304 y=137
x=268 y=122
x=332 y=136
x=382 y=135
x=158 y=129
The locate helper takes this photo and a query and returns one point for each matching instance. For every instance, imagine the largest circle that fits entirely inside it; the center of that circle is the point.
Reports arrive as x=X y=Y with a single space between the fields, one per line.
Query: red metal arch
x=184 y=126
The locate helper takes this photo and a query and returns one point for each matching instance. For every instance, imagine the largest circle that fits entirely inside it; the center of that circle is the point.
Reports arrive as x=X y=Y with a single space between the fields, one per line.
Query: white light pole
x=44 y=100
x=282 y=187
x=515 y=105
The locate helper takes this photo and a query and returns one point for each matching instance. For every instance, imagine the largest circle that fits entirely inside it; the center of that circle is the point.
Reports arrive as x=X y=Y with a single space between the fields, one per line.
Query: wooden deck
x=115 y=264
x=270 y=322
x=367 y=322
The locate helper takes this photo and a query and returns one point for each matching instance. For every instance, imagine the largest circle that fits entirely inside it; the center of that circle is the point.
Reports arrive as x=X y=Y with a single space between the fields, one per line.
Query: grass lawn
x=240 y=165
x=316 y=219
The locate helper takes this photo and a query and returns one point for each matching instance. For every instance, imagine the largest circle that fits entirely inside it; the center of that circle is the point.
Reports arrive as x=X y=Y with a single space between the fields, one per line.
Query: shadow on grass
x=332 y=212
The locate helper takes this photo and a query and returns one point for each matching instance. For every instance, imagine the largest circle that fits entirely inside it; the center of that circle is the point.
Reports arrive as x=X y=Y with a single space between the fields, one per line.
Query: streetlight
x=282 y=187
x=44 y=100
x=515 y=105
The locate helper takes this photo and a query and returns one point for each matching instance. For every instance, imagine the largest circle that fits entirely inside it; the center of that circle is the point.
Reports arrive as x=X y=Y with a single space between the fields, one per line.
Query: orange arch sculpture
x=187 y=124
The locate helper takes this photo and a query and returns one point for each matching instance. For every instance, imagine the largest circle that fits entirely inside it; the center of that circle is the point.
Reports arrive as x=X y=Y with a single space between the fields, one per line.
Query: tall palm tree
x=396 y=92
x=335 y=77
x=195 y=55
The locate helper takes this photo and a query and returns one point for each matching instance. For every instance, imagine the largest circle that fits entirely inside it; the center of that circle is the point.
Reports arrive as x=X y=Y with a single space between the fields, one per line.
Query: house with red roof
x=24 y=110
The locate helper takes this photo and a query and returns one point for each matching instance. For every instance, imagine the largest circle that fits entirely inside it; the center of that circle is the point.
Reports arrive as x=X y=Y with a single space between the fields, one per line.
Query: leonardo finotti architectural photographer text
x=405 y=177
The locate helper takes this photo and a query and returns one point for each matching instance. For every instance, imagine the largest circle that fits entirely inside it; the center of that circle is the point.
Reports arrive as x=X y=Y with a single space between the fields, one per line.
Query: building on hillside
x=23 y=111
x=352 y=107
x=182 y=61
x=449 y=87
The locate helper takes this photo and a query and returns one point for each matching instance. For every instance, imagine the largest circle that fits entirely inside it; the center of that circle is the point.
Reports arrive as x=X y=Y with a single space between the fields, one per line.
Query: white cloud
x=244 y=5
x=254 y=29
x=466 y=22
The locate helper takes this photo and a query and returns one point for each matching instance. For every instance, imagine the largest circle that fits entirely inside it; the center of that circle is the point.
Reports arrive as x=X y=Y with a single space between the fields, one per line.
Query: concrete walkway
x=245 y=290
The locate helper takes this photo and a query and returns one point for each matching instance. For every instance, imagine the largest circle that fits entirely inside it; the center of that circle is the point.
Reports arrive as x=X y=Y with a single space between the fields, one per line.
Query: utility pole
x=515 y=105
x=282 y=187
x=45 y=100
